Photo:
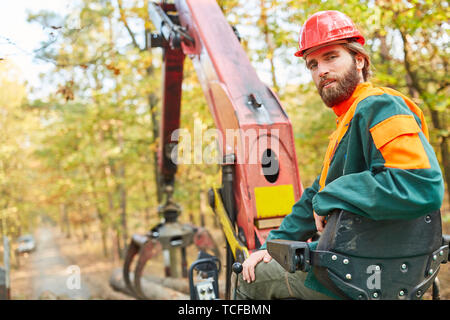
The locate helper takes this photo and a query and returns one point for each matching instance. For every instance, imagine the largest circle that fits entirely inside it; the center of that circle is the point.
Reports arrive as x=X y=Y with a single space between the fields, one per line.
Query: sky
x=18 y=38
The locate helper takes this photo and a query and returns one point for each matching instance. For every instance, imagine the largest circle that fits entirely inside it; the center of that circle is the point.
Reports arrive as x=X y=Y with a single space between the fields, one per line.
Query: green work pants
x=272 y=281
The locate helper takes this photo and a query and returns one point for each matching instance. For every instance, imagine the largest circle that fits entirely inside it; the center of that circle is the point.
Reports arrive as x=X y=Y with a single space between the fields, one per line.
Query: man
x=379 y=163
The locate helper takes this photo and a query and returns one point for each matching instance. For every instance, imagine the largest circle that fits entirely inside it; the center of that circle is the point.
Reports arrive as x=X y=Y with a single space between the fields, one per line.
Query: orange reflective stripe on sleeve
x=397 y=138
x=392 y=127
x=413 y=107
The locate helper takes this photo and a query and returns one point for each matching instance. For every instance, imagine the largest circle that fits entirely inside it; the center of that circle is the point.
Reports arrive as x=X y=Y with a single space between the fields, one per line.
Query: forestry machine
x=260 y=179
x=260 y=176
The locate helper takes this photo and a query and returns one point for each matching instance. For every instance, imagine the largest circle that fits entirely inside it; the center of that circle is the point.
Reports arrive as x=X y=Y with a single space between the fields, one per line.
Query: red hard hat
x=324 y=27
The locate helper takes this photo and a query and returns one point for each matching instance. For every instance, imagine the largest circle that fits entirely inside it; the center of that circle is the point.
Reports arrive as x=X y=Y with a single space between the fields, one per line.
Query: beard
x=343 y=86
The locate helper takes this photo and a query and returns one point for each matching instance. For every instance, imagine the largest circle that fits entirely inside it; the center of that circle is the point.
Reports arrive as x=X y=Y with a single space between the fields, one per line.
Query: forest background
x=84 y=155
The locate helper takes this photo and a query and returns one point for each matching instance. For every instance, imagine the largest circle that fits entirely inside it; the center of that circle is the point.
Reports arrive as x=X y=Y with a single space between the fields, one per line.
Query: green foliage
x=17 y=142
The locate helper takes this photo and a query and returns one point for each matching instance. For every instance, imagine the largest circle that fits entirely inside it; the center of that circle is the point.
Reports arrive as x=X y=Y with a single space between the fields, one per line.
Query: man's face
x=335 y=72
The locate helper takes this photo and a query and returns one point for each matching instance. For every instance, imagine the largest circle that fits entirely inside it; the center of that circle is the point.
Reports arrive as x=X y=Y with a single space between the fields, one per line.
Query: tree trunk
x=153 y=100
x=100 y=215
x=152 y=290
x=84 y=222
x=120 y=249
x=123 y=205
x=104 y=235
x=65 y=220
x=435 y=120
x=147 y=205
x=443 y=145
x=270 y=45
x=202 y=208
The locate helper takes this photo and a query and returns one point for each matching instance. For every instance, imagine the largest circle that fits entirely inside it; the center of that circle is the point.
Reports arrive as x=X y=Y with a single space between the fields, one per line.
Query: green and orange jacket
x=379 y=164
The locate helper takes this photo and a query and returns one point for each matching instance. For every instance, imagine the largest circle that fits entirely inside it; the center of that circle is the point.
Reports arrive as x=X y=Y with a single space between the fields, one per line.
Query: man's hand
x=320 y=222
x=248 y=271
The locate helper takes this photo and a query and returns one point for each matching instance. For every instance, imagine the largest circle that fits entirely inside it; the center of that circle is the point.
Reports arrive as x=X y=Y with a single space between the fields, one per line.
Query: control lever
x=237 y=268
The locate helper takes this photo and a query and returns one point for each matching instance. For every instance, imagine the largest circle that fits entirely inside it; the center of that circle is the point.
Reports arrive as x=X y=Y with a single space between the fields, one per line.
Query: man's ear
x=360 y=61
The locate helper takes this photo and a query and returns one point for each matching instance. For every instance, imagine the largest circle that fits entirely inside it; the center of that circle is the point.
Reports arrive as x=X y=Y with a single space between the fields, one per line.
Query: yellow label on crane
x=274 y=201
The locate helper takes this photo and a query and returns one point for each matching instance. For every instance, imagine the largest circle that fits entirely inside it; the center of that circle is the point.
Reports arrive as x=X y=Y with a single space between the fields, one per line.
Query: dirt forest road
x=54 y=276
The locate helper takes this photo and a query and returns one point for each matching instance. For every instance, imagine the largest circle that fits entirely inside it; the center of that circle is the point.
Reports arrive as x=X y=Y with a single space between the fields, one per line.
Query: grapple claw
x=138 y=245
x=146 y=252
x=169 y=236
x=132 y=250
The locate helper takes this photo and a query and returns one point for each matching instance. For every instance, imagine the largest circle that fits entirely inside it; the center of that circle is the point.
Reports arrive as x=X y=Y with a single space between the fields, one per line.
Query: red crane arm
x=257 y=137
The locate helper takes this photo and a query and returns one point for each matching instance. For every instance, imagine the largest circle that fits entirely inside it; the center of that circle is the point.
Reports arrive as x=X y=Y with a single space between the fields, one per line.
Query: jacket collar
x=341 y=108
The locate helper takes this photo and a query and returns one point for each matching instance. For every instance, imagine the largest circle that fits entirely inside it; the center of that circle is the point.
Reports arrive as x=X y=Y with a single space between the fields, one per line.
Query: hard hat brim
x=303 y=53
